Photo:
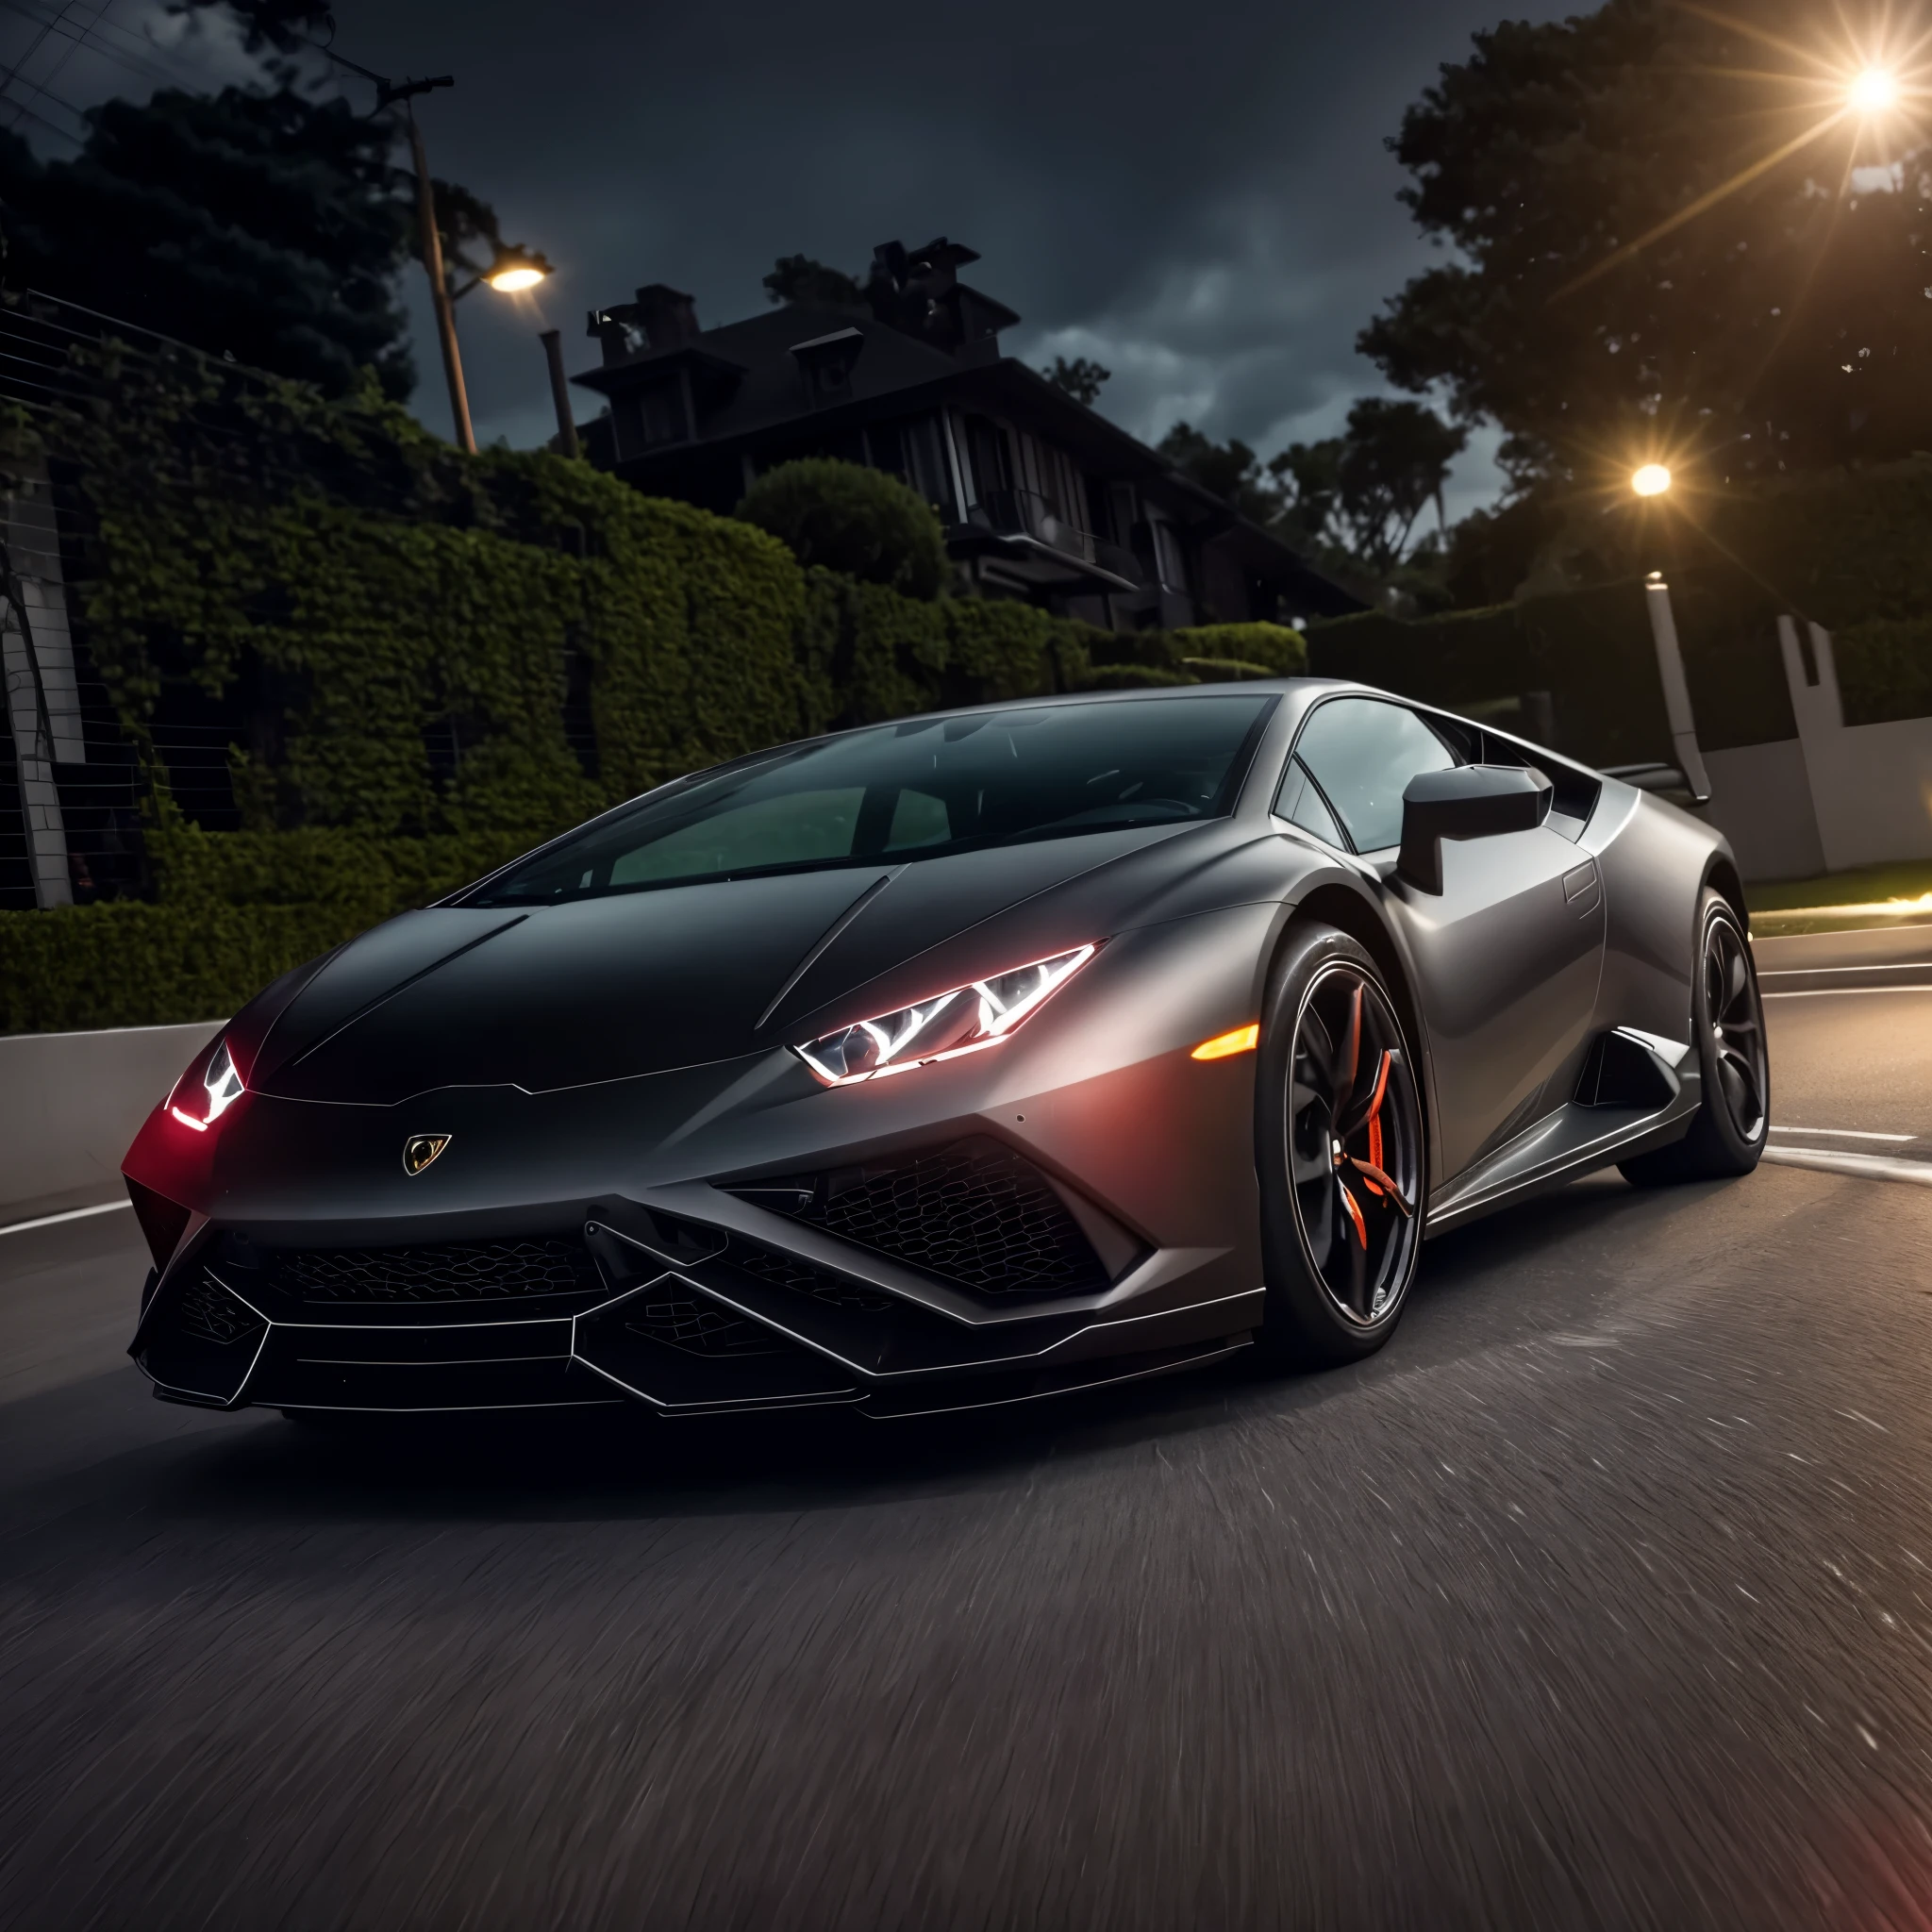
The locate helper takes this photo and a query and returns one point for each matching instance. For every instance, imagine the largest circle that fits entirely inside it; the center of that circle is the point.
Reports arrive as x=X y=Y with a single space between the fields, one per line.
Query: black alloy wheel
x=1729 y=1130
x=1342 y=1155
x=1737 y=1026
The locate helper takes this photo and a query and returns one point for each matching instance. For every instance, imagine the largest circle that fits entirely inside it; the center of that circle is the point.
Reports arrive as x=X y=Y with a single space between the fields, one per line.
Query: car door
x=1509 y=953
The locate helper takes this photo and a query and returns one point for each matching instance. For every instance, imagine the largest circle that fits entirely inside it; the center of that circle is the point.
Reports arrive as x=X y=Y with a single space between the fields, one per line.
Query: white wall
x=1871 y=784
x=1834 y=797
x=1760 y=800
x=69 y=1102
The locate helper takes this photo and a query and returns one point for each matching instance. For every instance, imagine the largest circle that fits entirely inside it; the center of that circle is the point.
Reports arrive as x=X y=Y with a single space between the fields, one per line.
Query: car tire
x=1340 y=1152
x=1728 y=1132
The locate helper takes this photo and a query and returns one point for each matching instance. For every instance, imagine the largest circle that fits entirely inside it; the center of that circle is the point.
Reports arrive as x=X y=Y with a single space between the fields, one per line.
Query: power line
x=39 y=40
x=40 y=89
x=148 y=69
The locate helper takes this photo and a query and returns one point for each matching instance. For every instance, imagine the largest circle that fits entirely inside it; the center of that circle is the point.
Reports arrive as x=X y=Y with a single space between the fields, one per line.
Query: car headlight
x=961 y=1020
x=220 y=1087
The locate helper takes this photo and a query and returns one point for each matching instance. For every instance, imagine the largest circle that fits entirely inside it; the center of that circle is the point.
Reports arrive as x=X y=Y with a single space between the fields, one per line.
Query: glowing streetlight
x=515 y=270
x=1652 y=480
x=1873 y=91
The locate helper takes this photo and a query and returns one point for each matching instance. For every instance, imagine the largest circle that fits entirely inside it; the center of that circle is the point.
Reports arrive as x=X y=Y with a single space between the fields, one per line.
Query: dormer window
x=825 y=365
x=664 y=415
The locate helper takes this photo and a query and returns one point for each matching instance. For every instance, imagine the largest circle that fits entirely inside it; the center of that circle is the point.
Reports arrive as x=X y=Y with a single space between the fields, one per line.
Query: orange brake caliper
x=1376 y=1121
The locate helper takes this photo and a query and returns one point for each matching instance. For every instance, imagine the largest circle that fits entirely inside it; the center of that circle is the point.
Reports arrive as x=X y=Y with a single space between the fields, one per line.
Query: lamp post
x=514 y=269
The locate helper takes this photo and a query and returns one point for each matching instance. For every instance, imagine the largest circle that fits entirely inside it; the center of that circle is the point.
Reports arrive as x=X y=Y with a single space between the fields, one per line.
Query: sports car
x=957 y=1061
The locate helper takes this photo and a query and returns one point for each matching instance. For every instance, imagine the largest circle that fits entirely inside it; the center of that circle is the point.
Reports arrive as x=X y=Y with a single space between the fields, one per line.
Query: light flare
x=1873 y=91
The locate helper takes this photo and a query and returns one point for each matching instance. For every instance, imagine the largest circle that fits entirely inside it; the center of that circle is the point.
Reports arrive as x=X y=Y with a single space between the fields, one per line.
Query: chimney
x=667 y=316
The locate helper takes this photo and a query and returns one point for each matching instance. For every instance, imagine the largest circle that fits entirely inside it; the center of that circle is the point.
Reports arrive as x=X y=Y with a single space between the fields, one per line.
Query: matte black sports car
x=954 y=1062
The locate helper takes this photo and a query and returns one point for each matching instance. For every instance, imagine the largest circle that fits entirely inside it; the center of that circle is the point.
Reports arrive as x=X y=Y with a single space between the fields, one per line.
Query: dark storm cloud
x=1196 y=194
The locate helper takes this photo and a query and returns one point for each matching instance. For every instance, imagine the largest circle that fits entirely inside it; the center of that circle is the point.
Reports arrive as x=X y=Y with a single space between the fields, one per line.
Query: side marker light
x=1242 y=1040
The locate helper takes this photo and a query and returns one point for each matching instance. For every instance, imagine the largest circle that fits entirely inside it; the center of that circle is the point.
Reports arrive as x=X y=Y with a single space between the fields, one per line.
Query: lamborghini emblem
x=419 y=1150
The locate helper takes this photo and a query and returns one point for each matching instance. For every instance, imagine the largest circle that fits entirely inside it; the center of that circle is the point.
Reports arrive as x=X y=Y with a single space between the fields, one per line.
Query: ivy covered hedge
x=428 y=663
x=129 y=964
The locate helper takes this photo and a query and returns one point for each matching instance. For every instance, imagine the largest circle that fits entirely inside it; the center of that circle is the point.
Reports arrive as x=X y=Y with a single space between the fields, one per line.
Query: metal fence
x=70 y=777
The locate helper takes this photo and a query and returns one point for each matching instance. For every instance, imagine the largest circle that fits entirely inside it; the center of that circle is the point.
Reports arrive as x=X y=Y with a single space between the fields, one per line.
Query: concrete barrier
x=69 y=1102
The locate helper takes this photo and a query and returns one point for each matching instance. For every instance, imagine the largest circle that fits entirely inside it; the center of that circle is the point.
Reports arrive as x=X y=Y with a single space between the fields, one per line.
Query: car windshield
x=917 y=789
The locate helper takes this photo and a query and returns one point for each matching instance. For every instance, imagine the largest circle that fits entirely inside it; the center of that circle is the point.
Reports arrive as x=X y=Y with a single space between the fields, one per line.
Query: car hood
x=605 y=989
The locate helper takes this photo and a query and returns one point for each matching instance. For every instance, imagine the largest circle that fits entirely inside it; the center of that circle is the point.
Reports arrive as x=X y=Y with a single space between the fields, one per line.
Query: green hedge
x=1590 y=650
x=397 y=631
x=133 y=965
x=1885 y=669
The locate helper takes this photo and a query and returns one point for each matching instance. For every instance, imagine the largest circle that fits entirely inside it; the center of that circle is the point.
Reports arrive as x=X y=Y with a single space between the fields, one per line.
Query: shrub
x=1279 y=651
x=129 y=965
x=1885 y=669
x=844 y=517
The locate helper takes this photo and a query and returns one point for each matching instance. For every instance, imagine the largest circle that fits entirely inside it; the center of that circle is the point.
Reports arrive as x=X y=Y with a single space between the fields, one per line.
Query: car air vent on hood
x=973 y=1213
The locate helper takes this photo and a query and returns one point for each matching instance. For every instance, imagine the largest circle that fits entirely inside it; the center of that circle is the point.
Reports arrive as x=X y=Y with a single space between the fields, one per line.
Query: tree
x=1229 y=469
x=263 y=225
x=1308 y=477
x=1659 y=247
x=1393 y=463
x=800 y=279
x=852 y=519
x=1360 y=492
x=1081 y=378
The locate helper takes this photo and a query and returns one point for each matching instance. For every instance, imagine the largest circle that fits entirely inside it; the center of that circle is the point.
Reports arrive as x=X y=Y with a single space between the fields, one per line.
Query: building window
x=1169 y=559
x=826 y=364
x=660 y=414
x=991 y=458
x=911 y=451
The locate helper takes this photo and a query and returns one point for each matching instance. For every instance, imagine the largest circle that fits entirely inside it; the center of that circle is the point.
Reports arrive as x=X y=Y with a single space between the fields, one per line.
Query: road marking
x=1846 y=1133
x=1884 y=966
x=1871 y=1167
x=1827 y=993
x=72 y=1214
x=1788 y=973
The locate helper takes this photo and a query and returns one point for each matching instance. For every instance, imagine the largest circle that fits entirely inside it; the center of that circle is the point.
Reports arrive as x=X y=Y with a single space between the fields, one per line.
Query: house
x=1041 y=498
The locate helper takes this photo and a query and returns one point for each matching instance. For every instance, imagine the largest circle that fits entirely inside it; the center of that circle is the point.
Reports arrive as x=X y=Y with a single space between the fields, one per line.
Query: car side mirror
x=1467 y=802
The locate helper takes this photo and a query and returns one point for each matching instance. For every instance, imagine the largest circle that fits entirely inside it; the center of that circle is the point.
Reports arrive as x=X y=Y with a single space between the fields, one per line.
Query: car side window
x=1362 y=752
x=1301 y=804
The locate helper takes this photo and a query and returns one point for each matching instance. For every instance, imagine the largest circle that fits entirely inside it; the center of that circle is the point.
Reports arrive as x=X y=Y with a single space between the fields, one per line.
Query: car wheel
x=1339 y=1145
x=1728 y=1132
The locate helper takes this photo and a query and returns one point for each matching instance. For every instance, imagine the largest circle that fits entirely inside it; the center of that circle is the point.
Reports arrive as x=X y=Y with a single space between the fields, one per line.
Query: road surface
x=1601 y=1597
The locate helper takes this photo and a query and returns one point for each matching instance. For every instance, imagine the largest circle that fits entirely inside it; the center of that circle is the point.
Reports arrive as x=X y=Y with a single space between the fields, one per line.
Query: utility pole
x=515 y=270
x=405 y=92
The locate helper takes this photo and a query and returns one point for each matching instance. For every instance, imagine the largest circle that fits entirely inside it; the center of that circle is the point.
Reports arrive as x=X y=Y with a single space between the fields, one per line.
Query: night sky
x=1195 y=194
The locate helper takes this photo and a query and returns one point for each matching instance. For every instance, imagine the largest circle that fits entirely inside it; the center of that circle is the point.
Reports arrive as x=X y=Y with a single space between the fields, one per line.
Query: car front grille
x=787 y=1271
x=699 y=1327
x=973 y=1213
x=210 y=1312
x=460 y=1271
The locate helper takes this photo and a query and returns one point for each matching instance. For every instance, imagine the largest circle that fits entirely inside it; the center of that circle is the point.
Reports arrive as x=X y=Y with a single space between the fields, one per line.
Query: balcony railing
x=1026 y=513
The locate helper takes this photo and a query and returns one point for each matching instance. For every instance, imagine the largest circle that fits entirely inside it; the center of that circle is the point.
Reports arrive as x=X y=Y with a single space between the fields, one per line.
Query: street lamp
x=1650 y=480
x=514 y=269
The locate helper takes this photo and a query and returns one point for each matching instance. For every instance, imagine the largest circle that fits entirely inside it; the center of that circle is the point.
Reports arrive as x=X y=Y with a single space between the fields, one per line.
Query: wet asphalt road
x=1601 y=1597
